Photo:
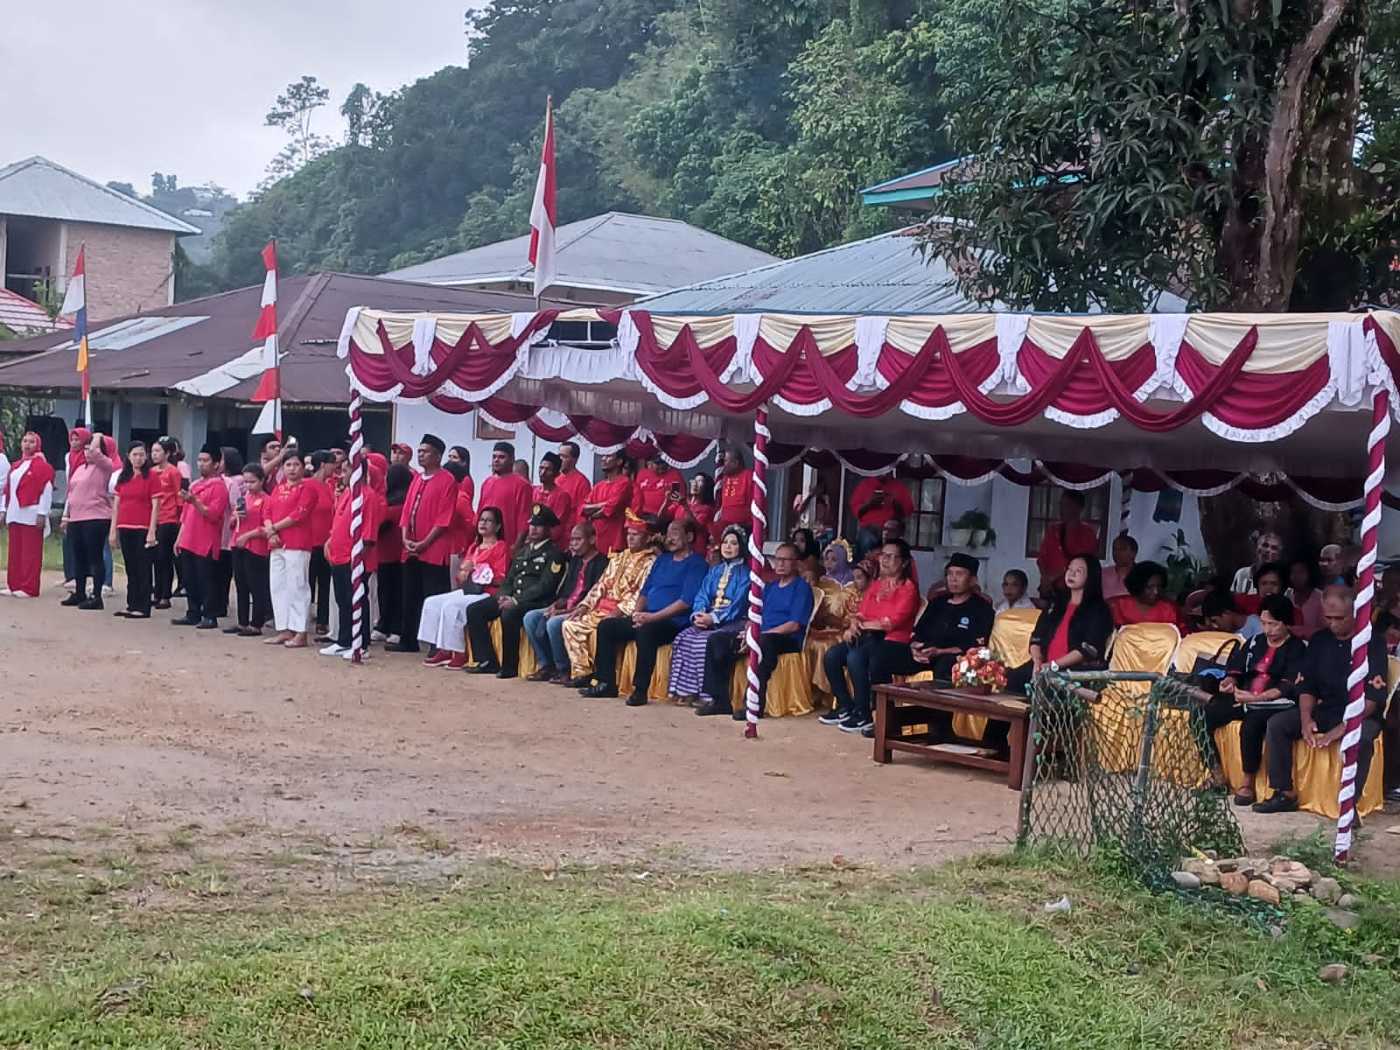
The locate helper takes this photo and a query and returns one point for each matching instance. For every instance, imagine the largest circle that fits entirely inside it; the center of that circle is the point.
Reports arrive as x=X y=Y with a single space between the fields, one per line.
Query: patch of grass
x=955 y=957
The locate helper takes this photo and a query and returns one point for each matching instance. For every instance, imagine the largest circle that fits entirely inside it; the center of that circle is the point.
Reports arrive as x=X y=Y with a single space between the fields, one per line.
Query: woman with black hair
x=1305 y=592
x=1261 y=672
x=885 y=619
x=223 y=571
x=134 y=529
x=805 y=540
x=165 y=475
x=700 y=508
x=1072 y=634
x=1146 y=581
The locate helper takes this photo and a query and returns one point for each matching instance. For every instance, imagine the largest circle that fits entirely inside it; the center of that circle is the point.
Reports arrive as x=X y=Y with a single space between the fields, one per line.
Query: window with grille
x=1045 y=512
x=924 y=530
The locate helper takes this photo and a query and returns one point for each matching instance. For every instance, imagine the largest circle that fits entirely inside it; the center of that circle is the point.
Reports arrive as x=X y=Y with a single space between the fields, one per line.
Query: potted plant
x=973 y=528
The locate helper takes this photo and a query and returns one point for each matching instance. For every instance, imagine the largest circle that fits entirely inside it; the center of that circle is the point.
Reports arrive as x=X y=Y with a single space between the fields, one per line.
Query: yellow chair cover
x=1144 y=647
x=660 y=677
x=1198 y=644
x=1010 y=641
x=1317 y=775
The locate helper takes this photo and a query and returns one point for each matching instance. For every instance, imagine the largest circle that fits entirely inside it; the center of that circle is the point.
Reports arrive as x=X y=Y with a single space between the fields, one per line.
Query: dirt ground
x=127 y=729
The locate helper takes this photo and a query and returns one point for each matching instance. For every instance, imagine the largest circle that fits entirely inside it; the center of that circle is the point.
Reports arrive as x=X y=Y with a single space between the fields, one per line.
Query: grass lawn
x=960 y=956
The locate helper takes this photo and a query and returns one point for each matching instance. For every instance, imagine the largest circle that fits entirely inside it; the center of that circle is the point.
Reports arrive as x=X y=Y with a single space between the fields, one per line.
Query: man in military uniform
x=531 y=583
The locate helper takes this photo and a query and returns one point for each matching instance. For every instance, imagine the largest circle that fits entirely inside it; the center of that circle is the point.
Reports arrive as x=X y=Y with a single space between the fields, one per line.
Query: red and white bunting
x=269 y=388
x=543 y=214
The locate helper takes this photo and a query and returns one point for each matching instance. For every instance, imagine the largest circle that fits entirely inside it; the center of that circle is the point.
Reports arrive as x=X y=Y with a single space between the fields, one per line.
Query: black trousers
x=198 y=573
x=1220 y=711
x=479 y=617
x=420 y=582
x=613 y=635
x=870 y=660
x=163 y=561
x=137 y=559
x=390 y=597
x=1286 y=727
x=895 y=658
x=720 y=657
x=345 y=608
x=250 y=575
x=321 y=587
x=89 y=539
x=217 y=601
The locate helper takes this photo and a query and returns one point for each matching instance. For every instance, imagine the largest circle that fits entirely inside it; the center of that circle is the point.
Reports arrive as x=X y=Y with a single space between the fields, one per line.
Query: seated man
x=1319 y=719
x=1220 y=611
x=530 y=583
x=957 y=620
x=615 y=593
x=662 y=612
x=787 y=609
x=544 y=628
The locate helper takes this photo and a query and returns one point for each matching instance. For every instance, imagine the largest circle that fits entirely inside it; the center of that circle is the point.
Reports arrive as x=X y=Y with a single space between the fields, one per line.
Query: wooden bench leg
x=883 y=753
x=1015 y=775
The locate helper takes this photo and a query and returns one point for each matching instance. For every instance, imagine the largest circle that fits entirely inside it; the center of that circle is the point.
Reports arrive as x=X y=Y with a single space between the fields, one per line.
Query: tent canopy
x=1236 y=392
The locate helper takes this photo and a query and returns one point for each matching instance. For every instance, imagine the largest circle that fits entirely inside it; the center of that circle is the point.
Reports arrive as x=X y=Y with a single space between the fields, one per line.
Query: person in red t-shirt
x=426 y=521
x=874 y=502
x=134 y=529
x=508 y=492
x=1064 y=539
x=339 y=550
x=250 y=554
x=572 y=481
x=288 y=531
x=201 y=534
x=659 y=490
x=321 y=478
x=607 y=502
x=700 y=509
x=548 y=494
x=168 y=509
x=735 y=491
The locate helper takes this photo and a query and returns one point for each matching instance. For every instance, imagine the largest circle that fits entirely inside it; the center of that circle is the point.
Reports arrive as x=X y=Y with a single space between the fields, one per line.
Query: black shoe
x=122 y=613
x=72 y=600
x=400 y=647
x=712 y=707
x=232 y=630
x=1278 y=802
x=1393 y=795
x=503 y=673
x=834 y=717
x=869 y=731
x=91 y=604
x=161 y=605
x=855 y=723
x=582 y=682
x=484 y=667
x=207 y=625
x=138 y=616
x=178 y=592
x=636 y=701
x=542 y=674
x=184 y=621
x=323 y=639
x=601 y=691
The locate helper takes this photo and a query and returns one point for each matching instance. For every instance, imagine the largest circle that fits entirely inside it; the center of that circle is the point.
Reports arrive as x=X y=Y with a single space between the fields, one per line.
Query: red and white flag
x=270 y=385
x=543 y=213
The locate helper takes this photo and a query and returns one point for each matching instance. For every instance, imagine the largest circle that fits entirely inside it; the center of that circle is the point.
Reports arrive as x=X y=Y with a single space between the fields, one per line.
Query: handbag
x=1208 y=672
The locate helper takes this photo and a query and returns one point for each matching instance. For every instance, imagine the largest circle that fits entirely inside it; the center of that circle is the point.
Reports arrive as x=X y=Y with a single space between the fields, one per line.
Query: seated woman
x=806 y=543
x=717 y=614
x=833 y=586
x=1261 y=671
x=1144 y=603
x=885 y=620
x=1072 y=634
x=481 y=573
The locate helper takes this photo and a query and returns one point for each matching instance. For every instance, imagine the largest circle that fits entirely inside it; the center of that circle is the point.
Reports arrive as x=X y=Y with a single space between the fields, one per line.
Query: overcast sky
x=118 y=90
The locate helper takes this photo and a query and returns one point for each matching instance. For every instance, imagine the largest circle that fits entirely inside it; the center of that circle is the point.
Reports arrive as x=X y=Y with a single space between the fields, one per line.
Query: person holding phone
x=874 y=502
x=659 y=485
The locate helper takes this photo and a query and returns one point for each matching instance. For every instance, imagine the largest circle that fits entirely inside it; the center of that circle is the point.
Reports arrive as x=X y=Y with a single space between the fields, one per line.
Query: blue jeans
x=546 y=636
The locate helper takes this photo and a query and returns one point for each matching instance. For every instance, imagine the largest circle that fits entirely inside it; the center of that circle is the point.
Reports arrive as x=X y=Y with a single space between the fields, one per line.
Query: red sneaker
x=438 y=658
x=458 y=661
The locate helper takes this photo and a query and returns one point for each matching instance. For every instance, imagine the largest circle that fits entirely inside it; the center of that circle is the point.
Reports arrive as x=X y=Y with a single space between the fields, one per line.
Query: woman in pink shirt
x=87 y=517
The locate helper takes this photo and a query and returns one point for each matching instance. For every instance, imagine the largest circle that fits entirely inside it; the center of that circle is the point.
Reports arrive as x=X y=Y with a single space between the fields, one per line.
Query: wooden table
x=898 y=706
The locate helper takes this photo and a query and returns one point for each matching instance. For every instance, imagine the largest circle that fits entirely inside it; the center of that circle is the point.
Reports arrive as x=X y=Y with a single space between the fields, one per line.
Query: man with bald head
x=1319 y=720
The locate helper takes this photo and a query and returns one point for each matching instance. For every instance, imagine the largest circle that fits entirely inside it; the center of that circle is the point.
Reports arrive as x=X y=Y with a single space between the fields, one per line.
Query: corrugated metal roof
x=880 y=275
x=616 y=251
x=39 y=188
x=23 y=317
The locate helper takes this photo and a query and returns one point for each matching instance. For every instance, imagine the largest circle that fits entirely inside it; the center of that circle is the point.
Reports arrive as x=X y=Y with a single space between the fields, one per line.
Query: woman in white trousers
x=287 y=525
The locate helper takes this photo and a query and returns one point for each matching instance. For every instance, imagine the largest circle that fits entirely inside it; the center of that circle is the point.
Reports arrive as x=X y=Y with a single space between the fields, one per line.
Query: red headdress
x=36 y=476
x=76 y=458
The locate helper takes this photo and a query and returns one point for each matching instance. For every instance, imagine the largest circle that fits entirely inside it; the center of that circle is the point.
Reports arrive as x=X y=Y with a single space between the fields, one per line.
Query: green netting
x=1122 y=768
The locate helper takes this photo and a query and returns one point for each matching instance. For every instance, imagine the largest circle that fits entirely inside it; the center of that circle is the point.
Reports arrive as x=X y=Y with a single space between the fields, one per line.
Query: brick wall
x=128 y=270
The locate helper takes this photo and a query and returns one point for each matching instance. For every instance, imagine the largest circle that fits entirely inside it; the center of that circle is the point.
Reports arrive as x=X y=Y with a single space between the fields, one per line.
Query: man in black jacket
x=531 y=583
x=544 y=626
x=1319 y=720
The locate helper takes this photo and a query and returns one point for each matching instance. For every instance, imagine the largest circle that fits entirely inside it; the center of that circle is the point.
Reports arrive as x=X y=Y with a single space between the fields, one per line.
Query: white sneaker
x=378 y=636
x=5 y=592
x=20 y=594
x=393 y=639
x=333 y=650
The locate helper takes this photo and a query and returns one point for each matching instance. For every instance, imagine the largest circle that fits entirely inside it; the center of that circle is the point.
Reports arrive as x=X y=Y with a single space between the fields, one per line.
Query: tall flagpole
x=544 y=214
x=75 y=303
x=270 y=385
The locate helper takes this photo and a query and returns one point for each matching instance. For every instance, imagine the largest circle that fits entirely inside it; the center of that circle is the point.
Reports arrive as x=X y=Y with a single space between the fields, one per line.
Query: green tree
x=294 y=112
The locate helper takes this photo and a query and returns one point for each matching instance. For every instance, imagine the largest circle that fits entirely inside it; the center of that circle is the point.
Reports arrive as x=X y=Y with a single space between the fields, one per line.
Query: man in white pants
x=288 y=531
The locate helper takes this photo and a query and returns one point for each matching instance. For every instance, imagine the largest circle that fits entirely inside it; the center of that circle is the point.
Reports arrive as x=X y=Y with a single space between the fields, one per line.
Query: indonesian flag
x=543 y=212
x=75 y=305
x=270 y=385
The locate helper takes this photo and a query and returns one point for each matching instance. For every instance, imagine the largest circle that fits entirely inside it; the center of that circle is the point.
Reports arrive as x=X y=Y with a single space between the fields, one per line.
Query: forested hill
x=757 y=119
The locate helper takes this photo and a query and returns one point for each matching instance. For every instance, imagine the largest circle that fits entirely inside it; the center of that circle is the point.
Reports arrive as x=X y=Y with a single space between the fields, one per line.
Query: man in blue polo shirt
x=787 y=608
x=663 y=611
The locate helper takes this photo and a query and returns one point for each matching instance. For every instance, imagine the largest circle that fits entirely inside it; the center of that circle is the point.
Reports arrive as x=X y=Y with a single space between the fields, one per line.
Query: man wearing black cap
x=507 y=491
x=427 y=542
x=531 y=583
x=952 y=623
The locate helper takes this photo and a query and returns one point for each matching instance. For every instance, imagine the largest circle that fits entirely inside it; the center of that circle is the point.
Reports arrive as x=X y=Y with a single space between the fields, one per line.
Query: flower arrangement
x=975 y=669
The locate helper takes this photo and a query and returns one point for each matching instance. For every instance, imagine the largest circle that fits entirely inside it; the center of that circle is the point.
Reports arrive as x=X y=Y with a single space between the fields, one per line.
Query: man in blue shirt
x=663 y=611
x=787 y=609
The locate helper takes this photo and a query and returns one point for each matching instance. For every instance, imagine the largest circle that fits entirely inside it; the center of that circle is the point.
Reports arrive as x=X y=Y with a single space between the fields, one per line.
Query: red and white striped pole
x=1365 y=592
x=758 y=514
x=1125 y=501
x=359 y=593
